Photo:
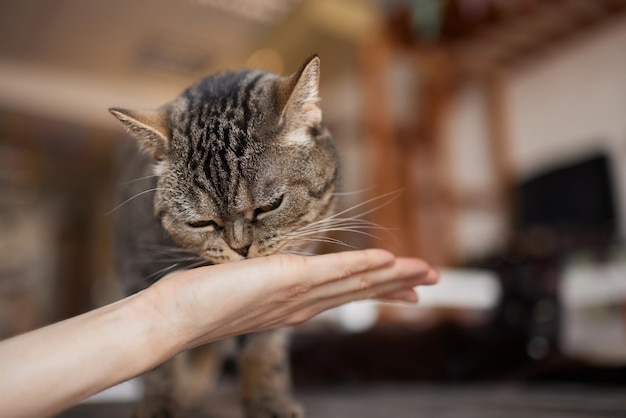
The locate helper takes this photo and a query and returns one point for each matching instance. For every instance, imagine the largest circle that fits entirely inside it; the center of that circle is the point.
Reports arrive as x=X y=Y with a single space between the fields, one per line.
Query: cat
x=240 y=165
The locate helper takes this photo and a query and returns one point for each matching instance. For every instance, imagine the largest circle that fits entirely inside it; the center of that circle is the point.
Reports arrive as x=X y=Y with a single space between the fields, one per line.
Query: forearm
x=50 y=369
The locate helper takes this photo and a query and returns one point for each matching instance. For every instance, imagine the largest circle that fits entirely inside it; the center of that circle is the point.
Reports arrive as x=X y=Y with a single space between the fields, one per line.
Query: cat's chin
x=296 y=248
x=230 y=259
x=252 y=254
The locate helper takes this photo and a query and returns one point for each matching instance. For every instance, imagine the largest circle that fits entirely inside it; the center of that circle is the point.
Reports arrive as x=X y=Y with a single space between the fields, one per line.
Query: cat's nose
x=243 y=251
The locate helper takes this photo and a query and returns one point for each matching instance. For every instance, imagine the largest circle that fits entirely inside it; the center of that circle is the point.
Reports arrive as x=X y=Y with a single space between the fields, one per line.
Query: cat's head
x=243 y=161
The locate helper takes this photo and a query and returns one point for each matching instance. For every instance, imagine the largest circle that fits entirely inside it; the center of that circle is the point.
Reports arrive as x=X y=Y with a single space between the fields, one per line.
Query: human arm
x=48 y=370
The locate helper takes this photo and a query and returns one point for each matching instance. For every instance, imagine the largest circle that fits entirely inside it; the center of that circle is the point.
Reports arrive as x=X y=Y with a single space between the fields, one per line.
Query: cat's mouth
x=243 y=251
x=254 y=251
x=289 y=243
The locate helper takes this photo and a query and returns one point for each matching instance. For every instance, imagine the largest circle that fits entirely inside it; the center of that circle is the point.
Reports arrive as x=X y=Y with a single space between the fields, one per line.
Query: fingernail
x=433 y=276
x=408 y=297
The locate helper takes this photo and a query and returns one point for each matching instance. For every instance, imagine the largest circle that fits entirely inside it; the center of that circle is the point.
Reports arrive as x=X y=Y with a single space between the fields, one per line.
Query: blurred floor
x=415 y=401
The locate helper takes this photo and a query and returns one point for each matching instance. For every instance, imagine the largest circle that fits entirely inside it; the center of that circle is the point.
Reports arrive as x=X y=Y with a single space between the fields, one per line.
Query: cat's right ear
x=298 y=95
x=150 y=127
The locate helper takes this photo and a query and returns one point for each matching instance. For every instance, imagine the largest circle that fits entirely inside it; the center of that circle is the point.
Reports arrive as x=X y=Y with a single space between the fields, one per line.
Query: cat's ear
x=298 y=95
x=150 y=127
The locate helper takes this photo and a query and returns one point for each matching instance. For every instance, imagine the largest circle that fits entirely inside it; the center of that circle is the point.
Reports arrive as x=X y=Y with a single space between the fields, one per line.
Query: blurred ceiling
x=487 y=34
x=73 y=58
x=125 y=38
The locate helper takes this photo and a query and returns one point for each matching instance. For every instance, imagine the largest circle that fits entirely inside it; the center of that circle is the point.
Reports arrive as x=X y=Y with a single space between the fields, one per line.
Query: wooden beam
x=440 y=215
x=384 y=162
x=549 y=26
x=495 y=84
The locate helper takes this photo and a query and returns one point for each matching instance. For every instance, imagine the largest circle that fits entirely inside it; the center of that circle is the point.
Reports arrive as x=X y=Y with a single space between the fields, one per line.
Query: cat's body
x=241 y=166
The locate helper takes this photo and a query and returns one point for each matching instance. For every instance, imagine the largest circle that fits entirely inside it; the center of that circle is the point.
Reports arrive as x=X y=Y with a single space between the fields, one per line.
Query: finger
x=337 y=266
x=302 y=273
x=399 y=289
x=403 y=295
x=408 y=286
x=410 y=295
x=379 y=281
x=388 y=287
x=432 y=278
x=332 y=302
x=433 y=274
x=392 y=284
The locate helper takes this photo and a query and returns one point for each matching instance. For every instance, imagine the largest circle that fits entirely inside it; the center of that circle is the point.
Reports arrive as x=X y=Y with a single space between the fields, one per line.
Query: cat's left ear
x=150 y=127
x=298 y=96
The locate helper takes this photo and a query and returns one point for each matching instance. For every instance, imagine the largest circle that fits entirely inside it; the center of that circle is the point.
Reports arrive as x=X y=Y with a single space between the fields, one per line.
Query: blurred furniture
x=593 y=300
x=56 y=188
x=412 y=73
x=430 y=49
x=416 y=401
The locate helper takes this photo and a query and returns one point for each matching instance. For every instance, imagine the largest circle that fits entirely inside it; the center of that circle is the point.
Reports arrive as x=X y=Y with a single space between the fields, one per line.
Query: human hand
x=214 y=302
x=113 y=343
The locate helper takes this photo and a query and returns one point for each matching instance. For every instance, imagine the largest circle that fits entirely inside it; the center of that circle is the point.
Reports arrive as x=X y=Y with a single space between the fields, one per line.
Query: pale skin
x=51 y=369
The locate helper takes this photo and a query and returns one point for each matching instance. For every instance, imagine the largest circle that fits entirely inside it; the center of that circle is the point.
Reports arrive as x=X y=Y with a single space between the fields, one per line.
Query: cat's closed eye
x=204 y=224
x=273 y=205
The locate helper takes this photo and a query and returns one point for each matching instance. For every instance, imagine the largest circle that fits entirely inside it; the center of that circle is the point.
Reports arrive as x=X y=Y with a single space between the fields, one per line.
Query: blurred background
x=485 y=136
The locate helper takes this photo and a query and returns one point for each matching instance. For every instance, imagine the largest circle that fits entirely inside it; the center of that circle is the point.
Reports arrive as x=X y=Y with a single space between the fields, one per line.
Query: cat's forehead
x=235 y=182
x=222 y=112
x=245 y=192
x=237 y=87
x=219 y=130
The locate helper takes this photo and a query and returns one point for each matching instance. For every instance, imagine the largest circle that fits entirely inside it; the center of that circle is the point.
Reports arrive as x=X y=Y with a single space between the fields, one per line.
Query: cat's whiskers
x=342 y=229
x=161 y=272
x=317 y=238
x=176 y=256
x=349 y=223
x=166 y=249
x=393 y=196
x=316 y=231
x=136 y=196
x=126 y=183
x=327 y=240
x=172 y=259
x=183 y=264
x=171 y=250
x=297 y=252
x=201 y=262
x=354 y=192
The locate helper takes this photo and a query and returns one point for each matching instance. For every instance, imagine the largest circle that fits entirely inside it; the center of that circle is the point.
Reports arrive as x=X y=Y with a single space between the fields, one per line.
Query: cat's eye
x=203 y=224
x=273 y=205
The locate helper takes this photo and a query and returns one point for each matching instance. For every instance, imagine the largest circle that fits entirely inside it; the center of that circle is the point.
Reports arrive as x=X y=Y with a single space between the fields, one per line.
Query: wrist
x=185 y=310
x=158 y=325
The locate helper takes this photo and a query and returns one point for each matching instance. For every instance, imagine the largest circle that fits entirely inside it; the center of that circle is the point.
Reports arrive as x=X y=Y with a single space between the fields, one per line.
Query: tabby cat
x=240 y=165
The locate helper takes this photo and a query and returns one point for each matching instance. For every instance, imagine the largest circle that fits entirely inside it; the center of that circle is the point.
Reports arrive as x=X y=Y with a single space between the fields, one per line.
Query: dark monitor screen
x=578 y=195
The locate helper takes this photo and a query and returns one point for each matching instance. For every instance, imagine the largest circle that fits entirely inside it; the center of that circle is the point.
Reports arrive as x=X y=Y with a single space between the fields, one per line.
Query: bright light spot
x=266 y=59
x=358 y=316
